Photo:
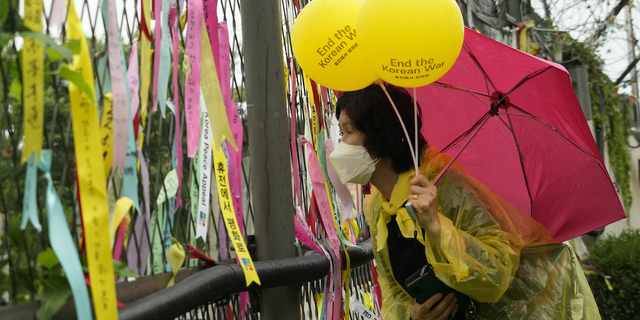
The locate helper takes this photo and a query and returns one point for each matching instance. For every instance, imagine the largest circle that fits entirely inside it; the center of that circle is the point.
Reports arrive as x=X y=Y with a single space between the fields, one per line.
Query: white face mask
x=353 y=164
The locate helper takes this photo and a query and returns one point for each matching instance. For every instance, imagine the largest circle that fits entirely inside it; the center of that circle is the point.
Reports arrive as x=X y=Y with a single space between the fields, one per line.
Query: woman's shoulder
x=372 y=203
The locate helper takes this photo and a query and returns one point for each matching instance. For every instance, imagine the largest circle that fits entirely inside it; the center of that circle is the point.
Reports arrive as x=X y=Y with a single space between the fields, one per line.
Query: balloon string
x=406 y=133
x=415 y=125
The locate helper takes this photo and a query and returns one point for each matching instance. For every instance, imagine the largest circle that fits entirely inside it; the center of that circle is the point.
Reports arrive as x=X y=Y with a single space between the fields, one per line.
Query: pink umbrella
x=532 y=145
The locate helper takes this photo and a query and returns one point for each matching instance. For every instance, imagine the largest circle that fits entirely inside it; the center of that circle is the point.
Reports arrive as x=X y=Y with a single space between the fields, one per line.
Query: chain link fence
x=29 y=272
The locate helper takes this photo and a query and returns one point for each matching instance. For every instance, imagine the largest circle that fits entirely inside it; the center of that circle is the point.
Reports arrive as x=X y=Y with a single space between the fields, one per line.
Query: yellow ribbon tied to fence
x=106 y=131
x=229 y=216
x=213 y=94
x=176 y=257
x=91 y=178
x=33 y=79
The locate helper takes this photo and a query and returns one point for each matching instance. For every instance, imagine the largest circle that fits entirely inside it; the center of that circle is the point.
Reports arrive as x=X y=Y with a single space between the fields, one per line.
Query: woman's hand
x=443 y=310
x=423 y=196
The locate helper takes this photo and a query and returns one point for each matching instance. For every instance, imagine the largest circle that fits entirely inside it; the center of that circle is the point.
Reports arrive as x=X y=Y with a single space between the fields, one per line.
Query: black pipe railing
x=222 y=280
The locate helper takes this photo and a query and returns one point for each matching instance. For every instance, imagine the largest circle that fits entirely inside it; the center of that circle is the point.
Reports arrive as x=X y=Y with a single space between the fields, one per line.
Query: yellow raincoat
x=490 y=251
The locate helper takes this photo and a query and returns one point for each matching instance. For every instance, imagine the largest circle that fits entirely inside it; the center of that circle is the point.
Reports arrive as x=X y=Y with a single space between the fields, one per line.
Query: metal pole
x=269 y=152
x=632 y=51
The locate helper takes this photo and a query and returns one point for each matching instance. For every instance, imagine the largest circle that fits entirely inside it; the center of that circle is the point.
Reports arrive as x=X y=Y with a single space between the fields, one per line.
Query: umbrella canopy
x=533 y=146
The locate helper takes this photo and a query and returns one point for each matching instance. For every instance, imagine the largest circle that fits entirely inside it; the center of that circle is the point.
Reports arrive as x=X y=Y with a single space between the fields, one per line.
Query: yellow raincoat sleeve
x=477 y=256
x=489 y=250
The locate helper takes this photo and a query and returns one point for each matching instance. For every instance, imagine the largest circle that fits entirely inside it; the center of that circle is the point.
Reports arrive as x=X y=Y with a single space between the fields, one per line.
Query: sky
x=581 y=19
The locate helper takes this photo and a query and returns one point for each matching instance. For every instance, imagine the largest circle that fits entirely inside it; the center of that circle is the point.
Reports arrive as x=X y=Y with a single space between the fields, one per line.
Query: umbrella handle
x=486 y=117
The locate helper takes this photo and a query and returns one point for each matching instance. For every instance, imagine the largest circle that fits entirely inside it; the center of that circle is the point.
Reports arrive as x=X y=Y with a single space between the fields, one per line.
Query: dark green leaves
x=48 y=258
x=55 y=293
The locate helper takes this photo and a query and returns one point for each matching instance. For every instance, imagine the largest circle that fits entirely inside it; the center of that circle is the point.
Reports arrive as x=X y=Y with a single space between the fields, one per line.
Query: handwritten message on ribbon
x=33 y=81
x=192 y=91
x=91 y=179
x=120 y=94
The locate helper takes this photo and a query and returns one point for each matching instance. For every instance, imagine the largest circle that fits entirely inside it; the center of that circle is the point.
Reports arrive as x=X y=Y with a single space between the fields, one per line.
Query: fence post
x=268 y=148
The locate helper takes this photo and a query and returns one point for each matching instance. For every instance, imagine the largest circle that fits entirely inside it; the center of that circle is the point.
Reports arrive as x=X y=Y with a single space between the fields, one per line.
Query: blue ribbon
x=29 y=207
x=171 y=203
x=165 y=59
x=62 y=243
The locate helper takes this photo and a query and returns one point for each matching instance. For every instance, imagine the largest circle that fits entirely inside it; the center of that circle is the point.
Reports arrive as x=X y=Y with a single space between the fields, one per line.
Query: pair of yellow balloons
x=408 y=43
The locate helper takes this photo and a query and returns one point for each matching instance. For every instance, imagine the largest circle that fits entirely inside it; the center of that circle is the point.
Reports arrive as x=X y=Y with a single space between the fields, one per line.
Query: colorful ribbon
x=62 y=243
x=205 y=179
x=145 y=60
x=91 y=180
x=192 y=90
x=106 y=132
x=161 y=83
x=139 y=249
x=118 y=84
x=32 y=82
x=222 y=178
x=29 y=206
x=176 y=98
x=213 y=96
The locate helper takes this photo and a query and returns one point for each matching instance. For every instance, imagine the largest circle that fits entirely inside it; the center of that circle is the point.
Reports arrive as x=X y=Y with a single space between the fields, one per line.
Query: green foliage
x=76 y=78
x=120 y=269
x=48 y=258
x=54 y=294
x=619 y=258
x=62 y=50
x=27 y=280
x=615 y=118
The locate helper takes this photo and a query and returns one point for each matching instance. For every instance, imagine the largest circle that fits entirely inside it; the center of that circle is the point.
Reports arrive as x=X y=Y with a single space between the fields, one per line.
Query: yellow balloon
x=410 y=43
x=325 y=45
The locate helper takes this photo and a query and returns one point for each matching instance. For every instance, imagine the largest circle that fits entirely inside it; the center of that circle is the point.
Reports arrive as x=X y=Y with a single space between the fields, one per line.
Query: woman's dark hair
x=372 y=114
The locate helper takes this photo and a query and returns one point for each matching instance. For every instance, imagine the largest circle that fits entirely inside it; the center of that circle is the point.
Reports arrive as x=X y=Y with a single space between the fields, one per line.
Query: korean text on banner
x=91 y=180
x=224 y=195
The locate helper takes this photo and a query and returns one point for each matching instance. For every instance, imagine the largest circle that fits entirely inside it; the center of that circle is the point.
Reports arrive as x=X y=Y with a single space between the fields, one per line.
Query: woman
x=477 y=243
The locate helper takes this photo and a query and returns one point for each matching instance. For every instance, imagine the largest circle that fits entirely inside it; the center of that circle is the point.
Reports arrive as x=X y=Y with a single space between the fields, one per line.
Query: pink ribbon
x=317 y=181
x=134 y=81
x=223 y=66
x=210 y=9
x=119 y=87
x=117 y=248
x=301 y=234
x=194 y=48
